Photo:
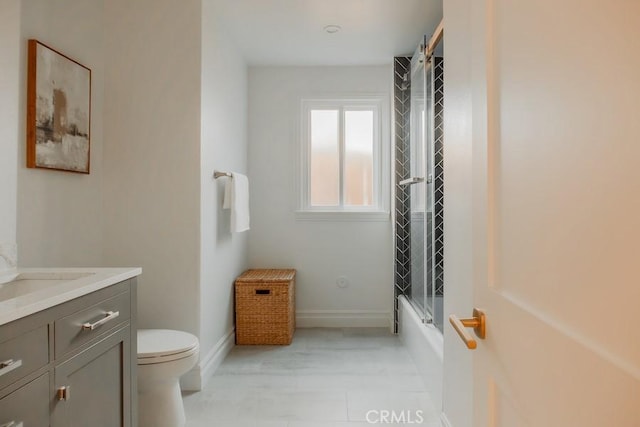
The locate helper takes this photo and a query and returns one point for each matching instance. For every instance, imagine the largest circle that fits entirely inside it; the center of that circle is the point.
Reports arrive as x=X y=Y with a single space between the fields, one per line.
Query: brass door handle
x=477 y=322
x=63 y=393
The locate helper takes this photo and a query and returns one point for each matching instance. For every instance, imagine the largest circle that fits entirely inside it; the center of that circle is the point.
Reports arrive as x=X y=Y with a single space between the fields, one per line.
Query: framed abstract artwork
x=58 y=111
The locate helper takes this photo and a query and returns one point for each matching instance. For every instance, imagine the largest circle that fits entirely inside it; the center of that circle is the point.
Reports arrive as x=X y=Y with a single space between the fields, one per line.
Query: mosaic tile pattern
x=402 y=270
x=418 y=238
x=438 y=102
x=428 y=237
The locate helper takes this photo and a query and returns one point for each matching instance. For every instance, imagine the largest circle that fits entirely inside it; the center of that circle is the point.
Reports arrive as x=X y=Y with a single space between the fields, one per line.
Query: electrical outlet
x=342 y=282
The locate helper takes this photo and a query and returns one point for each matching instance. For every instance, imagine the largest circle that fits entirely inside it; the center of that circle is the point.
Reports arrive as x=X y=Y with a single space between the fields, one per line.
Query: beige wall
x=152 y=152
x=223 y=255
x=60 y=213
x=9 y=112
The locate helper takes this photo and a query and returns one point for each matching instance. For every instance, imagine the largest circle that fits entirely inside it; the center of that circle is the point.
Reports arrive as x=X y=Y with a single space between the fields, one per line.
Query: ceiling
x=290 y=32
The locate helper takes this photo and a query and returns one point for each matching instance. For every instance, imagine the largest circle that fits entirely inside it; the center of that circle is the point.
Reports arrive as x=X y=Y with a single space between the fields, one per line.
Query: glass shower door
x=420 y=246
x=422 y=242
x=430 y=279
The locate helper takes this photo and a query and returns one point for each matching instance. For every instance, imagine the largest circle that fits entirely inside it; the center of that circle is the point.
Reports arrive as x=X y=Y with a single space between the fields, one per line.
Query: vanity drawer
x=81 y=327
x=28 y=406
x=23 y=354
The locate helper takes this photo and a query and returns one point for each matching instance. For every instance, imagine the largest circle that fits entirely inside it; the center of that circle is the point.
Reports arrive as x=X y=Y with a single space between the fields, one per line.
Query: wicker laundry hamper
x=265 y=306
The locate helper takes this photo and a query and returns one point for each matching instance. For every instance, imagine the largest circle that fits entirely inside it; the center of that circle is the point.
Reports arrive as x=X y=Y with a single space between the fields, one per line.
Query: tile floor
x=325 y=378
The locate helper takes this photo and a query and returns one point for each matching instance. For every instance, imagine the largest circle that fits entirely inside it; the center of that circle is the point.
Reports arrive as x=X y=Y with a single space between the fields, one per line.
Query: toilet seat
x=164 y=345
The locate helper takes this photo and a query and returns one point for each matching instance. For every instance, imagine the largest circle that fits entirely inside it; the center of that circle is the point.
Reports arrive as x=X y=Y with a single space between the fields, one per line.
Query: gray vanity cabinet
x=27 y=406
x=92 y=390
x=73 y=364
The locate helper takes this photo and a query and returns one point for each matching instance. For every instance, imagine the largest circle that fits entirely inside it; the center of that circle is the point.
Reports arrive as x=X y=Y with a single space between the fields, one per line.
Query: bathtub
x=425 y=344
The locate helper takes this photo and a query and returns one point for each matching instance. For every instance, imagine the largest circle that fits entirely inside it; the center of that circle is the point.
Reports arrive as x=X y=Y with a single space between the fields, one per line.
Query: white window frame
x=379 y=210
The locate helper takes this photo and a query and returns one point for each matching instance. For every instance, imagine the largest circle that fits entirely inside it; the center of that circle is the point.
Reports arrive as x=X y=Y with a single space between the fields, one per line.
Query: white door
x=554 y=146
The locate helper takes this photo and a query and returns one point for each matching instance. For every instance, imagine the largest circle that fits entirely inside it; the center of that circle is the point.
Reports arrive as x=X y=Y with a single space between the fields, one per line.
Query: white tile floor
x=325 y=378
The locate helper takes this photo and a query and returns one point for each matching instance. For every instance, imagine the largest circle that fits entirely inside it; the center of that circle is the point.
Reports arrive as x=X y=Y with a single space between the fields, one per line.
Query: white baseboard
x=343 y=319
x=195 y=378
x=444 y=420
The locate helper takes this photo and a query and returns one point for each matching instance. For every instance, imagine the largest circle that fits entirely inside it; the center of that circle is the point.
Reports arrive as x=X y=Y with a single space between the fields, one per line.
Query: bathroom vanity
x=68 y=348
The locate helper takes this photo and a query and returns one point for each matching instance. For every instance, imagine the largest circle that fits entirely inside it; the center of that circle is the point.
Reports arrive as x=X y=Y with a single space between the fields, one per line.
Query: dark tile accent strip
x=402 y=269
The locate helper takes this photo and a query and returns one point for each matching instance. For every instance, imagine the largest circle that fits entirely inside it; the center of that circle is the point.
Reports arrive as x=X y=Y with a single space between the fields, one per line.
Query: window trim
x=379 y=211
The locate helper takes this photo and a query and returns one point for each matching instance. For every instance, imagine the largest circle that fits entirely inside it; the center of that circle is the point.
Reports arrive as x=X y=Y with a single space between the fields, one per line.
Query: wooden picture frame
x=58 y=111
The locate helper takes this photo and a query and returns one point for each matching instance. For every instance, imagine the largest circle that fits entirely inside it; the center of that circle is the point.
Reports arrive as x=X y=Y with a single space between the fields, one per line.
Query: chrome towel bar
x=218 y=174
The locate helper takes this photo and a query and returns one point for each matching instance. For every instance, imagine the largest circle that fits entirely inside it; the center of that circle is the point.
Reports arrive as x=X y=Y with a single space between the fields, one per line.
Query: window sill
x=381 y=216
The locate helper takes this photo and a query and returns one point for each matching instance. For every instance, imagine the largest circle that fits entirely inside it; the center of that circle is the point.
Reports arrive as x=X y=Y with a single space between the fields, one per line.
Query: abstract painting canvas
x=58 y=111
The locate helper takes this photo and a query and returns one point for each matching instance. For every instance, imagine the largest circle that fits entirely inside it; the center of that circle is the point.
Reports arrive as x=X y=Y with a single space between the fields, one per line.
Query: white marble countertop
x=16 y=301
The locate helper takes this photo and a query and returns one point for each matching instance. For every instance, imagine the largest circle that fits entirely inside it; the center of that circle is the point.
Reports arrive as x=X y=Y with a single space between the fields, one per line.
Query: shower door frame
x=417 y=186
x=430 y=72
x=426 y=49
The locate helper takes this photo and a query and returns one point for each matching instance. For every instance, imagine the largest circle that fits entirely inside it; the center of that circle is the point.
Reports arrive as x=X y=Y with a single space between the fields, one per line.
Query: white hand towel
x=236 y=198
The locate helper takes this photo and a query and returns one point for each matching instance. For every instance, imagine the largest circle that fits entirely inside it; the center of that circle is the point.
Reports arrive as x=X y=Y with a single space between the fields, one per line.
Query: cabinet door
x=28 y=406
x=97 y=385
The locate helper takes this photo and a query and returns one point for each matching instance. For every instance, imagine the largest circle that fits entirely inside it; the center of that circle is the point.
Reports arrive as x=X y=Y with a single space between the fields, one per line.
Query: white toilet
x=163 y=357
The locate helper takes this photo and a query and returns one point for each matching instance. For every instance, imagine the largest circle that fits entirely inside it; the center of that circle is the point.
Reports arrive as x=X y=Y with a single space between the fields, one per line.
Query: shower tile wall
x=438 y=93
x=402 y=270
x=402 y=104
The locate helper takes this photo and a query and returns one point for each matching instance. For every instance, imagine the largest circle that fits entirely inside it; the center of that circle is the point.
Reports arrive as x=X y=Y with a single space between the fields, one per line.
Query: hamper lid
x=267 y=275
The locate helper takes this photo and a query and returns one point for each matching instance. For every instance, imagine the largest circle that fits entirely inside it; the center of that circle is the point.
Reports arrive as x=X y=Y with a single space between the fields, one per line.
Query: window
x=342 y=156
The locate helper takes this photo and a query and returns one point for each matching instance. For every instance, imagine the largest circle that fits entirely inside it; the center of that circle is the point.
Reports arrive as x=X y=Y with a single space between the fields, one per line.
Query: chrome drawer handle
x=7 y=366
x=12 y=424
x=109 y=316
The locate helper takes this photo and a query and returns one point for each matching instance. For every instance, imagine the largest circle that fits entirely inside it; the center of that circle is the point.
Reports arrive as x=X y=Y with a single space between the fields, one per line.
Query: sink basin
x=27 y=283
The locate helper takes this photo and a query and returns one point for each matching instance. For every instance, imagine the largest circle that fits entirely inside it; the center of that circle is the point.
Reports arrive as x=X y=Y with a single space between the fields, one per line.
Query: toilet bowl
x=163 y=357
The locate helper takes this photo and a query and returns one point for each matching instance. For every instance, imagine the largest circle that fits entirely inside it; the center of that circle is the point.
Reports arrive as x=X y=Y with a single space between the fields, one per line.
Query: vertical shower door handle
x=412 y=180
